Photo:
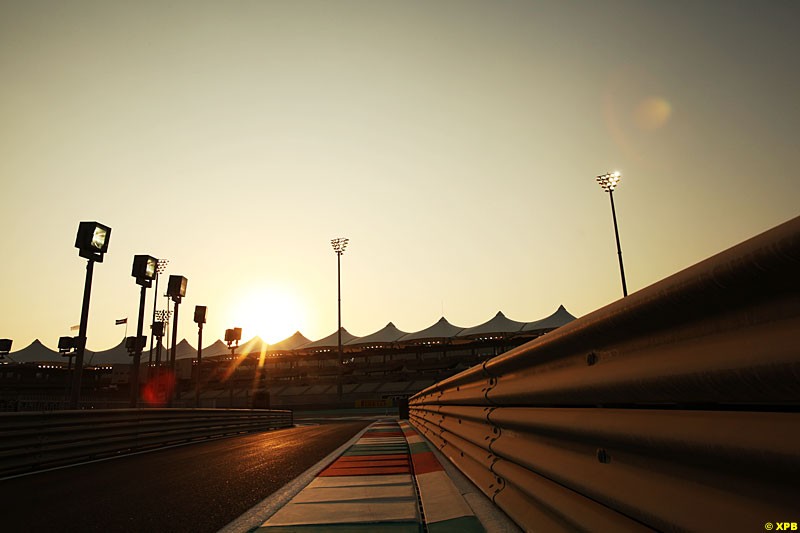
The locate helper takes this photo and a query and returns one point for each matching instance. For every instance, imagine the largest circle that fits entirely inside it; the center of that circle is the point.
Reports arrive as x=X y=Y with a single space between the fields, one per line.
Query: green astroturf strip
x=372 y=451
x=379 y=444
x=388 y=527
x=419 y=447
x=464 y=524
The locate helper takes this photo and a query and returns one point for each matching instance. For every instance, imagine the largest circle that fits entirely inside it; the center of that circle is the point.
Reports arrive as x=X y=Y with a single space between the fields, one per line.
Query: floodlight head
x=233 y=335
x=200 y=314
x=133 y=345
x=92 y=240
x=158 y=329
x=144 y=269
x=176 y=287
x=5 y=346
x=161 y=266
x=339 y=244
x=609 y=181
x=66 y=344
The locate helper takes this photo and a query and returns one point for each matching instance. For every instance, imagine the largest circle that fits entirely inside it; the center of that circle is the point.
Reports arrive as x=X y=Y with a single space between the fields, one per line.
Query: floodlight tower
x=66 y=347
x=5 y=347
x=176 y=289
x=144 y=269
x=92 y=243
x=609 y=182
x=199 y=319
x=232 y=338
x=339 y=244
x=159 y=330
x=161 y=266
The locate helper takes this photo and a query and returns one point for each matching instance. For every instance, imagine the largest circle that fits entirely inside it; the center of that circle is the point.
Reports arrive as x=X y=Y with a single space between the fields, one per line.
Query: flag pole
x=121 y=321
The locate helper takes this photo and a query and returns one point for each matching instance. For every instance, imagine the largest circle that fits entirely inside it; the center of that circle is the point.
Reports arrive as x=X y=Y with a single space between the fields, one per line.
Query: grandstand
x=297 y=373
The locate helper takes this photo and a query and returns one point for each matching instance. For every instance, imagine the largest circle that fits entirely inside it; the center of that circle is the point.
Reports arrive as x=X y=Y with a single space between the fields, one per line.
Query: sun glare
x=271 y=313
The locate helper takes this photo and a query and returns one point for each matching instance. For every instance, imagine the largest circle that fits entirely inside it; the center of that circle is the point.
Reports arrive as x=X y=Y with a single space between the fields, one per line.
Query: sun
x=272 y=313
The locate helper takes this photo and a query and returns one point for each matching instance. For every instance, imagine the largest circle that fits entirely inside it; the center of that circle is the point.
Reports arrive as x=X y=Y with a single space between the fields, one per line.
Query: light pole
x=144 y=269
x=5 y=347
x=232 y=338
x=92 y=241
x=159 y=330
x=199 y=319
x=176 y=289
x=609 y=182
x=66 y=347
x=160 y=268
x=339 y=244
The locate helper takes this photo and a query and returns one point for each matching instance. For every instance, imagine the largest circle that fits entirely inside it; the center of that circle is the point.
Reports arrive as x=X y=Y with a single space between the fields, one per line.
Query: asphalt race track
x=195 y=488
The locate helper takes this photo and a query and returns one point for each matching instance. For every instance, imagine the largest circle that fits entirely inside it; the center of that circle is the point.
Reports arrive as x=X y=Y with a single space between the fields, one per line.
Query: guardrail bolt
x=591 y=359
x=602 y=456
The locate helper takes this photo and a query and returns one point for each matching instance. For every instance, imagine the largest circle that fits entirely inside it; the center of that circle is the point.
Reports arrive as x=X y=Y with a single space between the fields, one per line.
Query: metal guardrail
x=32 y=441
x=676 y=408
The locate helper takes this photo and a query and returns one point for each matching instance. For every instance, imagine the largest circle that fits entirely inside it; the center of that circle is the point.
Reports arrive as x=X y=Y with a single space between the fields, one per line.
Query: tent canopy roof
x=440 y=330
x=218 y=348
x=36 y=352
x=556 y=320
x=183 y=350
x=331 y=340
x=290 y=343
x=256 y=345
x=116 y=355
x=498 y=324
x=386 y=335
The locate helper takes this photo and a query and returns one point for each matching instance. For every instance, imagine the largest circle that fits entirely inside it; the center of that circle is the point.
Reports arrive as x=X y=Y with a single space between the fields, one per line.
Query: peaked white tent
x=440 y=330
x=218 y=348
x=183 y=350
x=499 y=325
x=297 y=340
x=331 y=341
x=386 y=335
x=36 y=352
x=255 y=346
x=556 y=320
x=116 y=355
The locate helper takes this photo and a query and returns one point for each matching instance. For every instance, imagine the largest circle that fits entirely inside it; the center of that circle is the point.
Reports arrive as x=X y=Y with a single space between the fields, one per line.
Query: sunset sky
x=455 y=143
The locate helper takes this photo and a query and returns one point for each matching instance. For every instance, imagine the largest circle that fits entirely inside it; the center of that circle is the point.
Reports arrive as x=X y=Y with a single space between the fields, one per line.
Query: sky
x=455 y=143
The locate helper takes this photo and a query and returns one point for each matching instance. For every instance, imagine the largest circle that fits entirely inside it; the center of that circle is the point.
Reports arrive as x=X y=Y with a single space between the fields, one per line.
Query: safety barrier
x=676 y=408
x=32 y=441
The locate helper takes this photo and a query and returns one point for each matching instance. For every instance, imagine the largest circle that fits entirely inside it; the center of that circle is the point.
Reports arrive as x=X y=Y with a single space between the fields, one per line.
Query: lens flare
x=158 y=390
x=652 y=113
